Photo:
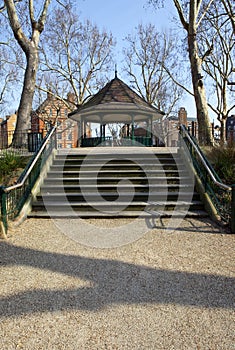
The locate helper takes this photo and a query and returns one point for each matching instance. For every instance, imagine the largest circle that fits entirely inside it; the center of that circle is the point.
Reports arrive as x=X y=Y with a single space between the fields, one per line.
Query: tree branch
x=177 y=83
x=31 y=12
x=181 y=15
x=204 y=12
x=43 y=15
x=15 y=25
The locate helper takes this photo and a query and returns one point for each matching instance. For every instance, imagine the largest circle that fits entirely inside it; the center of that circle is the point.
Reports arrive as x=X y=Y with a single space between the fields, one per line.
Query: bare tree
x=75 y=56
x=217 y=42
x=8 y=75
x=27 y=28
x=6 y=83
x=229 y=7
x=10 y=64
x=146 y=56
x=191 y=14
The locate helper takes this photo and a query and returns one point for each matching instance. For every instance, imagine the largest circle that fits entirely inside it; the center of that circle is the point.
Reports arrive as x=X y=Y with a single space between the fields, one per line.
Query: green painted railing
x=96 y=141
x=12 y=198
x=221 y=195
x=109 y=141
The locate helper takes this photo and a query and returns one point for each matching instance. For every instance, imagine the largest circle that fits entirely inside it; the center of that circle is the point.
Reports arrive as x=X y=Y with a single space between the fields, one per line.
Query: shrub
x=222 y=159
x=10 y=162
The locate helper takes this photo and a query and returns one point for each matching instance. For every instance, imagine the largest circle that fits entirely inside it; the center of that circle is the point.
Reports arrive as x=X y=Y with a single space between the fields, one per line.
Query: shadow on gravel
x=205 y=225
x=112 y=282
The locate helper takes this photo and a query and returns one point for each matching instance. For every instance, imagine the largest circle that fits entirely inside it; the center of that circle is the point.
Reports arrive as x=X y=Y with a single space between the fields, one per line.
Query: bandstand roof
x=116 y=102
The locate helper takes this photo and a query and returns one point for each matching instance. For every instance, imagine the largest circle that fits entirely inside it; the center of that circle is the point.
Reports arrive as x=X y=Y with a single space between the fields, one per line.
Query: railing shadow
x=110 y=282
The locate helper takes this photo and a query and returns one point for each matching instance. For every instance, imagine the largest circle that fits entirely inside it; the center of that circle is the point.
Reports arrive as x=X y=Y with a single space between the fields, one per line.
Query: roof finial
x=116 y=70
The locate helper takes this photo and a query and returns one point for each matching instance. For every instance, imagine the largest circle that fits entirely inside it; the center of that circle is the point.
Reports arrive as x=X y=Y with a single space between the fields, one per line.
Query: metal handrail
x=21 y=183
x=216 y=182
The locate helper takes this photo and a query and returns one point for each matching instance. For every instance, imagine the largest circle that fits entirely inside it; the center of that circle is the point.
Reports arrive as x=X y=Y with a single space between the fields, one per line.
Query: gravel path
x=167 y=290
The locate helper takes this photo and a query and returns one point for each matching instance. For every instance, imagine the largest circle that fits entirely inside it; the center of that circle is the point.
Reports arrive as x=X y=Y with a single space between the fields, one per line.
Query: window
x=68 y=123
x=69 y=136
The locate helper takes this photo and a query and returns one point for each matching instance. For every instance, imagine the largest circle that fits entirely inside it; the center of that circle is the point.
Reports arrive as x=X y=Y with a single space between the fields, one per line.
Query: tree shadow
x=205 y=225
x=111 y=282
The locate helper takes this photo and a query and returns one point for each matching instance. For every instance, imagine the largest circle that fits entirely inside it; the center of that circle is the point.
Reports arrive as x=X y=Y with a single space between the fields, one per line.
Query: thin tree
x=146 y=55
x=191 y=14
x=219 y=63
x=28 y=39
x=10 y=63
x=8 y=76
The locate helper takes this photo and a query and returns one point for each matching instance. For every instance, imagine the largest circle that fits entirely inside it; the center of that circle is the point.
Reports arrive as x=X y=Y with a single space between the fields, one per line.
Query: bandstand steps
x=117 y=185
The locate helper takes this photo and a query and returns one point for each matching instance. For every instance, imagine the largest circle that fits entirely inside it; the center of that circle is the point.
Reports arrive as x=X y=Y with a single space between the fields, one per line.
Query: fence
x=67 y=137
x=215 y=132
x=14 y=197
x=28 y=141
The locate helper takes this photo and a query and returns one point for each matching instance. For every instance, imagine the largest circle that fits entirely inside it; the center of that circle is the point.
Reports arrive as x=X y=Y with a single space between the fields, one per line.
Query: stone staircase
x=117 y=182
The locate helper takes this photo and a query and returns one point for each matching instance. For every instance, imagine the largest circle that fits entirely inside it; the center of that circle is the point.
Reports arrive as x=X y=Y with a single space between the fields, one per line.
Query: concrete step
x=107 y=166
x=117 y=156
x=116 y=159
x=94 y=206
x=117 y=172
x=113 y=196
x=84 y=187
x=123 y=214
x=114 y=180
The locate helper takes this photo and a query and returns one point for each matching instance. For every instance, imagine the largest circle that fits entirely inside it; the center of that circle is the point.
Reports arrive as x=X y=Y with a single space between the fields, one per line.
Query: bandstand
x=116 y=102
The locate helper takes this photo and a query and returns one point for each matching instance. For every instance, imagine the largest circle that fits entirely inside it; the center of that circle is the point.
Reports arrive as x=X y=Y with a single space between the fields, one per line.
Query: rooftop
x=116 y=96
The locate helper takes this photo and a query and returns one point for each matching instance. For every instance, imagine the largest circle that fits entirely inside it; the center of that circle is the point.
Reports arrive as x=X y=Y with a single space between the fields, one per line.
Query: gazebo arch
x=116 y=102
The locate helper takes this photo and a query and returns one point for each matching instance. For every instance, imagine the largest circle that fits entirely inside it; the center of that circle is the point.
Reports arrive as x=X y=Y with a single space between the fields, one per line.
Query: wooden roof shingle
x=115 y=91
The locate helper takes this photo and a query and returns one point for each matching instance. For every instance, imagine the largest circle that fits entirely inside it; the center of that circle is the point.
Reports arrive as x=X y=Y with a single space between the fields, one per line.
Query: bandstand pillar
x=132 y=130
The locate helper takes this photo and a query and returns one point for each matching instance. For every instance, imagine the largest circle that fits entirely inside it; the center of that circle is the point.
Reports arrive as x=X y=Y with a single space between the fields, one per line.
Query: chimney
x=49 y=95
x=71 y=97
x=182 y=115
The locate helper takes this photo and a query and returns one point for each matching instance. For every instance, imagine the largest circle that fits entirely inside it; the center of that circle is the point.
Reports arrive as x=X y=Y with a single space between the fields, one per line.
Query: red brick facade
x=53 y=111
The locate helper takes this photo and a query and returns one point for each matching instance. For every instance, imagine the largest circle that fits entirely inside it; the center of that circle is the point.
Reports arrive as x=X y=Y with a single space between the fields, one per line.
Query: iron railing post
x=3 y=219
x=233 y=210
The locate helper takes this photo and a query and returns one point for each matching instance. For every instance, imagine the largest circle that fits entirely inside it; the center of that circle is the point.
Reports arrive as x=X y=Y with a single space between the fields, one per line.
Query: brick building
x=7 y=128
x=54 y=111
x=230 y=128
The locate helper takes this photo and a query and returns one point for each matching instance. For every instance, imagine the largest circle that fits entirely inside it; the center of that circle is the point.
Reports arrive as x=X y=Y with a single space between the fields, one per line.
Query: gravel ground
x=166 y=290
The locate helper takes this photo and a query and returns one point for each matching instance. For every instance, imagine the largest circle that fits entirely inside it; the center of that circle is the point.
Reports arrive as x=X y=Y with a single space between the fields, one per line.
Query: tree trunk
x=204 y=128
x=223 y=130
x=30 y=48
x=204 y=125
x=25 y=106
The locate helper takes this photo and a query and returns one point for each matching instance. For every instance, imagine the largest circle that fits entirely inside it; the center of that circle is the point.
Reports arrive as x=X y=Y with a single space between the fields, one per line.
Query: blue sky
x=121 y=17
